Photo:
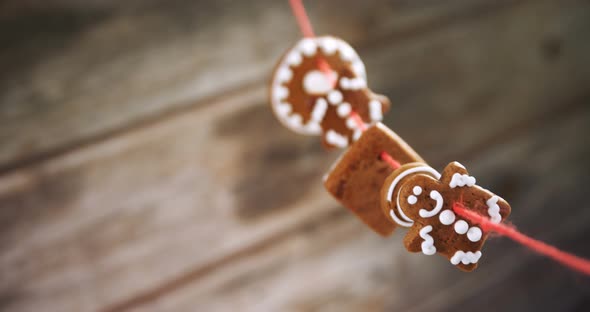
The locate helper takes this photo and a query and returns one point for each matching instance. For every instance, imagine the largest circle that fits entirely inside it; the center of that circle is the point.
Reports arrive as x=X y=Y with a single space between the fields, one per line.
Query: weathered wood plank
x=76 y=74
x=339 y=265
x=111 y=220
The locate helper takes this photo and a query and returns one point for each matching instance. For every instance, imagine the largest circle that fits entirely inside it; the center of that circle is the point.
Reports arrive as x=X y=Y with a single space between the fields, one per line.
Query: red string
x=307 y=30
x=568 y=260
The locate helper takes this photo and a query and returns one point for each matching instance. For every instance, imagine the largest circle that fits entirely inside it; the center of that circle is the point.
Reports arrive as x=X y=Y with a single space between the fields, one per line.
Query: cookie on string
x=417 y=196
x=355 y=179
x=312 y=100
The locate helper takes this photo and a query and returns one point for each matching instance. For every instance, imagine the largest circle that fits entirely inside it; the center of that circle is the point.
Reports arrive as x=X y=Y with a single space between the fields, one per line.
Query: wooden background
x=142 y=170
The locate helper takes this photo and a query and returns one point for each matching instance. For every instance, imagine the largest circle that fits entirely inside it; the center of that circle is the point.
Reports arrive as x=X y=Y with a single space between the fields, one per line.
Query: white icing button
x=316 y=82
x=284 y=109
x=461 y=227
x=281 y=92
x=417 y=190
x=284 y=74
x=335 y=97
x=308 y=46
x=344 y=110
x=474 y=234
x=412 y=199
x=358 y=67
x=346 y=52
x=294 y=58
x=447 y=217
x=328 y=45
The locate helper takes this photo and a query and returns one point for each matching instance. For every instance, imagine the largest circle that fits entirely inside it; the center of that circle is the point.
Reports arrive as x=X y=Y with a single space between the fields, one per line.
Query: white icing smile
x=465 y=257
x=439 y=203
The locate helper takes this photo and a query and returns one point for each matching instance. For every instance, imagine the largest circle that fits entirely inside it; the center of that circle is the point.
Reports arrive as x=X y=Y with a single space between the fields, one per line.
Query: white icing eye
x=461 y=227
x=335 y=97
x=316 y=82
x=417 y=190
x=474 y=234
x=447 y=217
x=412 y=199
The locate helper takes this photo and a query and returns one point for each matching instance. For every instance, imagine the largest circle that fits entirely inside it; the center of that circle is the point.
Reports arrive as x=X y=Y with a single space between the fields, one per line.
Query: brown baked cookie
x=355 y=179
x=310 y=101
x=418 y=197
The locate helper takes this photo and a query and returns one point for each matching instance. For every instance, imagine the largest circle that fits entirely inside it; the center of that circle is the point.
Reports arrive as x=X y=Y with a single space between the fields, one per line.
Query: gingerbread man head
x=309 y=100
x=418 y=197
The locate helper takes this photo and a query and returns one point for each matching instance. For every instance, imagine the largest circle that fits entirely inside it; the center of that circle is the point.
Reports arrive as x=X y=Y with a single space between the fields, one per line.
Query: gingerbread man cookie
x=417 y=196
x=310 y=101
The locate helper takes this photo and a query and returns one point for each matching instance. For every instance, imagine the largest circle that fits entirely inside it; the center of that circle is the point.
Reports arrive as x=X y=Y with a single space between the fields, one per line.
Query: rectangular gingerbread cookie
x=356 y=178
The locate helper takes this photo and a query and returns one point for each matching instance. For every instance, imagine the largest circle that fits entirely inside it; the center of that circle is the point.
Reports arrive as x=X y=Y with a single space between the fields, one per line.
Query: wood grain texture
x=177 y=199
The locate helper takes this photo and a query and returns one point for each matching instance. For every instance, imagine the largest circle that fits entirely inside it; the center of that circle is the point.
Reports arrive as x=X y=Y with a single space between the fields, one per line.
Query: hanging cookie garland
x=319 y=87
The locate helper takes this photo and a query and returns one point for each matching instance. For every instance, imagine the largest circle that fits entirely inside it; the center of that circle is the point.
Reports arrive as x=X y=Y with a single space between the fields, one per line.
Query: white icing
x=294 y=58
x=313 y=126
x=284 y=74
x=356 y=134
x=417 y=190
x=351 y=123
x=461 y=180
x=336 y=139
x=428 y=247
x=335 y=97
x=347 y=53
x=398 y=220
x=328 y=45
x=352 y=83
x=358 y=67
x=435 y=195
x=316 y=82
x=447 y=217
x=394 y=183
x=344 y=110
x=319 y=110
x=474 y=234
x=465 y=257
x=412 y=199
x=461 y=227
x=307 y=46
x=284 y=109
x=375 y=110
x=494 y=209
x=295 y=120
x=281 y=92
